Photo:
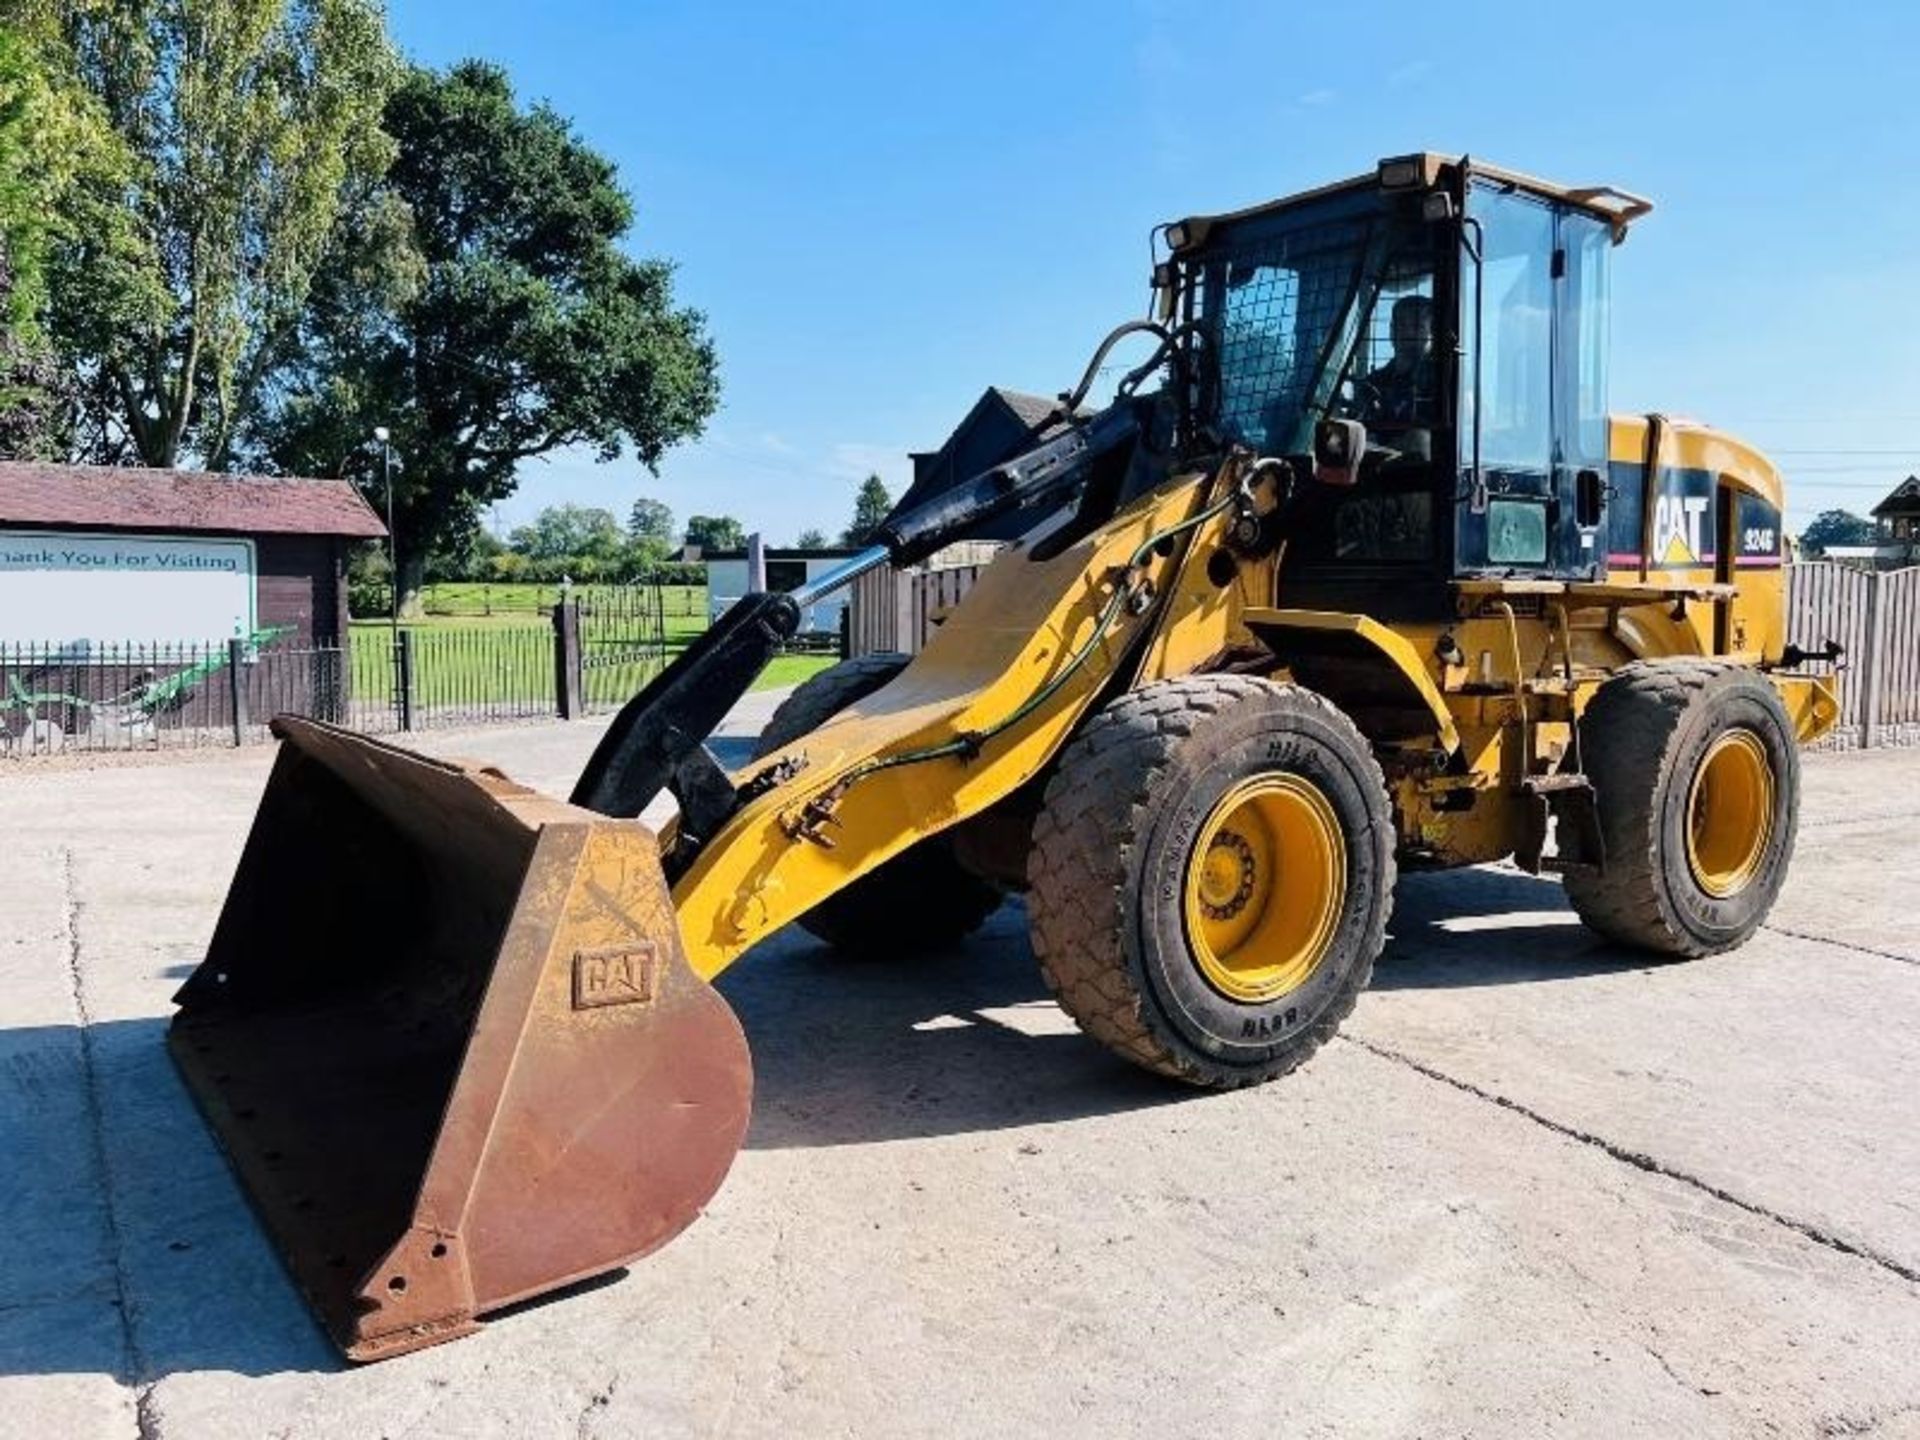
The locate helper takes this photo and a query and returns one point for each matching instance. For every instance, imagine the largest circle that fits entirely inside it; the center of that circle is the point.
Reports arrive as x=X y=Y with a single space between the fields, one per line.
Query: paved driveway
x=1538 y=1187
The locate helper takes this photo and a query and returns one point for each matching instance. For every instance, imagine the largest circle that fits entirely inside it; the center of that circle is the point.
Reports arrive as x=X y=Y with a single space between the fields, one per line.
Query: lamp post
x=385 y=438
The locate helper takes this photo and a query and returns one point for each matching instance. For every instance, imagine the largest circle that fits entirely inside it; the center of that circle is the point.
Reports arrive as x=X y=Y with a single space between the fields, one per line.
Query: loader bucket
x=449 y=1040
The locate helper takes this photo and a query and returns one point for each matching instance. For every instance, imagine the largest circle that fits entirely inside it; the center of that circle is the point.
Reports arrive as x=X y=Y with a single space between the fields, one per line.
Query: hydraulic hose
x=968 y=744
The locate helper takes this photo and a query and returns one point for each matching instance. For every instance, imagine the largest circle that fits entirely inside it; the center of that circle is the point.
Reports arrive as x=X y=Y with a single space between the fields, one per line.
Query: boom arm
x=658 y=739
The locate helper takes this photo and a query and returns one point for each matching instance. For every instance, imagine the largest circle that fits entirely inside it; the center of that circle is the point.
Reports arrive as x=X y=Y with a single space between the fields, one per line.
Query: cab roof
x=1424 y=169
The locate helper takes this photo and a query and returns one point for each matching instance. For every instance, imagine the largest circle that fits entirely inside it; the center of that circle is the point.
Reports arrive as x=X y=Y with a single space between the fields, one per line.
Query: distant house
x=1898 y=517
x=786 y=570
x=1897 y=541
x=1001 y=424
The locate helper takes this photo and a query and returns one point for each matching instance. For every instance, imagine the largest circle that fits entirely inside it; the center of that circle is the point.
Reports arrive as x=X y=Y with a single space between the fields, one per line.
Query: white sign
x=79 y=592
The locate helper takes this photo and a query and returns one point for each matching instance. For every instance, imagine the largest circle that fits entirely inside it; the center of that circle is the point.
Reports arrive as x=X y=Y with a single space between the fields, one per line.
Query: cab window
x=1513 y=335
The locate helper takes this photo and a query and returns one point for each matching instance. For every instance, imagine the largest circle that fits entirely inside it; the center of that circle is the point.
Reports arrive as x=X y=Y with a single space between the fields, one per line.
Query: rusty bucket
x=448 y=1038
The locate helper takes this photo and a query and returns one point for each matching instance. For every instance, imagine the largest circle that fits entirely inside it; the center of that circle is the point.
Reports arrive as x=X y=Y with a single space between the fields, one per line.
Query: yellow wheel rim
x=1265 y=881
x=1730 y=814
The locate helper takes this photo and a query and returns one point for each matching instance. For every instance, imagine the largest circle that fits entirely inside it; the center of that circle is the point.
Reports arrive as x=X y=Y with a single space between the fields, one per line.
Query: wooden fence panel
x=1897 y=658
x=896 y=610
x=1877 y=618
x=1828 y=601
x=880 y=613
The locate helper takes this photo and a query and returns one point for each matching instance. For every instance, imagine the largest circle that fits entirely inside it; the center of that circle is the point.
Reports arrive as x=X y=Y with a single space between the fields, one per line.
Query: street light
x=384 y=437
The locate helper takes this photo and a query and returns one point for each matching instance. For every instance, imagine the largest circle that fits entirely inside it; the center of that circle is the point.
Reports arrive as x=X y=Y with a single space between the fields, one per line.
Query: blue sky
x=884 y=208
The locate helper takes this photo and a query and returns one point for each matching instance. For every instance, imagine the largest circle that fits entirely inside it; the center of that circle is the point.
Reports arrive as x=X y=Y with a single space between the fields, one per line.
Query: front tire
x=1211 y=875
x=1696 y=772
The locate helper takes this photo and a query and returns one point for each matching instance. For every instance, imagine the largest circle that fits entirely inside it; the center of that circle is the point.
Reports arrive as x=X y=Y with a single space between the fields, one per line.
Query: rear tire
x=1696 y=773
x=1211 y=875
x=920 y=897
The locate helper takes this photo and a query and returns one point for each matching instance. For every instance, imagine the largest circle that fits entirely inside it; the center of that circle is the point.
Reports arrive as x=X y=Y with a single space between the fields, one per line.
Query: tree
x=1836 y=527
x=810 y=540
x=250 y=125
x=651 y=520
x=715 y=532
x=530 y=328
x=870 y=507
x=568 y=532
x=58 y=157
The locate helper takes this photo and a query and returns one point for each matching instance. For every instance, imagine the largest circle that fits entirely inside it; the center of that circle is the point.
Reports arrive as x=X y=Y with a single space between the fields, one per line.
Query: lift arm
x=657 y=741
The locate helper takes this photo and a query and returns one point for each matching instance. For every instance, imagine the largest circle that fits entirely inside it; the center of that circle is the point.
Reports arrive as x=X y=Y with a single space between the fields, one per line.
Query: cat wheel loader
x=1355 y=574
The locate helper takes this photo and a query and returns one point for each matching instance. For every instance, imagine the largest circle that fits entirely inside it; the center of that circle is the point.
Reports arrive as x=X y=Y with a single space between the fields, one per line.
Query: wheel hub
x=1730 y=813
x=1226 y=880
x=1266 y=882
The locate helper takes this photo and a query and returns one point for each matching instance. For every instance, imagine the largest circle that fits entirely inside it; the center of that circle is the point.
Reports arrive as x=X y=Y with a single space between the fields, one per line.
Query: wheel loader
x=1355 y=574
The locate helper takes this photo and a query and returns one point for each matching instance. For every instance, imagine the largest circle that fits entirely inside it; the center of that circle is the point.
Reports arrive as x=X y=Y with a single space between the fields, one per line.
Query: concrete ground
x=1538 y=1187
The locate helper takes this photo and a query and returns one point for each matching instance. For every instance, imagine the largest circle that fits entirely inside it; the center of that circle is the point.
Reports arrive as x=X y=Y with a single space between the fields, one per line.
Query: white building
x=786 y=570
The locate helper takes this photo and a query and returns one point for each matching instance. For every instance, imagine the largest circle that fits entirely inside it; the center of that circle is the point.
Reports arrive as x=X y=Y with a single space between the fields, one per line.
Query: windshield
x=1297 y=307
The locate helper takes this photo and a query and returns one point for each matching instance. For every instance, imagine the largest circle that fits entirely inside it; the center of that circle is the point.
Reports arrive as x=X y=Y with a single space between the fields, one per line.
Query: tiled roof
x=110 y=498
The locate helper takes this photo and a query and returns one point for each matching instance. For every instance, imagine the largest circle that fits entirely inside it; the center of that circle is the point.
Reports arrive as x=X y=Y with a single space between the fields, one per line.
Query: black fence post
x=567 y=678
x=403 y=679
x=237 y=688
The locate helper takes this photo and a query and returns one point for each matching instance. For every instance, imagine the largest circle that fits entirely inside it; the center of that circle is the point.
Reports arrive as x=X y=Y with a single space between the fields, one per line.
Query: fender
x=1395 y=672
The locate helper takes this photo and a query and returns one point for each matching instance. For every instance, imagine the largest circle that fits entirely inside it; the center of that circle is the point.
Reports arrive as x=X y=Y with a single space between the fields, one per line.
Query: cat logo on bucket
x=1678 y=521
x=615 y=975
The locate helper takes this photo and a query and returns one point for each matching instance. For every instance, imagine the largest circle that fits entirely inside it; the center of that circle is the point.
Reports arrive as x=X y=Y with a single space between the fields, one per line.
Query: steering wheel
x=1362 y=398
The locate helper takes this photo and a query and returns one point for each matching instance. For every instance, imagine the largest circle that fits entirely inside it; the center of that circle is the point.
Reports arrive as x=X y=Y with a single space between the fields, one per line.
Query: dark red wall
x=301 y=585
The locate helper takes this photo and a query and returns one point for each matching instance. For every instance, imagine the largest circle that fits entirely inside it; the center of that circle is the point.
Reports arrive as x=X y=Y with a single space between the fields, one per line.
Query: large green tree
x=715 y=532
x=24 y=160
x=560 y=532
x=870 y=507
x=253 y=126
x=60 y=163
x=650 y=526
x=1836 y=527
x=528 y=329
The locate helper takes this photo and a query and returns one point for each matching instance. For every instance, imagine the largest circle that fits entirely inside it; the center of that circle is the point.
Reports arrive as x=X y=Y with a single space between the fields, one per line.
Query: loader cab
x=1461 y=314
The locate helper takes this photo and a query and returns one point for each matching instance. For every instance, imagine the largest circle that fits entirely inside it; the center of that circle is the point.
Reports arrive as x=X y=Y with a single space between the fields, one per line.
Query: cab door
x=1533 y=422
x=1506 y=384
x=1582 y=322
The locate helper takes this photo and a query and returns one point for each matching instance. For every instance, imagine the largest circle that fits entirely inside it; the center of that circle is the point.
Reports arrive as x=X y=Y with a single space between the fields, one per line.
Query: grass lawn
x=684 y=606
x=503 y=662
x=792 y=669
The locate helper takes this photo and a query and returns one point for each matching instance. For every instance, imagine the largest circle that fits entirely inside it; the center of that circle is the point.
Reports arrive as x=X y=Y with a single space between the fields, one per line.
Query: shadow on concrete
x=968 y=1039
x=120 y=1199
x=1490 y=927
x=941 y=1042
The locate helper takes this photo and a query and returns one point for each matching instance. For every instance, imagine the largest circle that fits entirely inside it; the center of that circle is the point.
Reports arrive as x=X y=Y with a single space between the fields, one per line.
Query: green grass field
x=492 y=645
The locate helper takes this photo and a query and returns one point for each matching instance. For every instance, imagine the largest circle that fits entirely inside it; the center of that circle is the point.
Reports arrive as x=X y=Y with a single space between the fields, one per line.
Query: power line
x=1877 y=470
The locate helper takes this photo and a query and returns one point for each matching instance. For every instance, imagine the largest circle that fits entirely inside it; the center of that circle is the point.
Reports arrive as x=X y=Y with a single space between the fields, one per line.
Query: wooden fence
x=897 y=610
x=1874 y=616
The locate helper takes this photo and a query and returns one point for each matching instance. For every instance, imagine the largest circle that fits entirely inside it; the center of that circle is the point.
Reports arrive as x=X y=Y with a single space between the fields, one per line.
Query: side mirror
x=1338 y=448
